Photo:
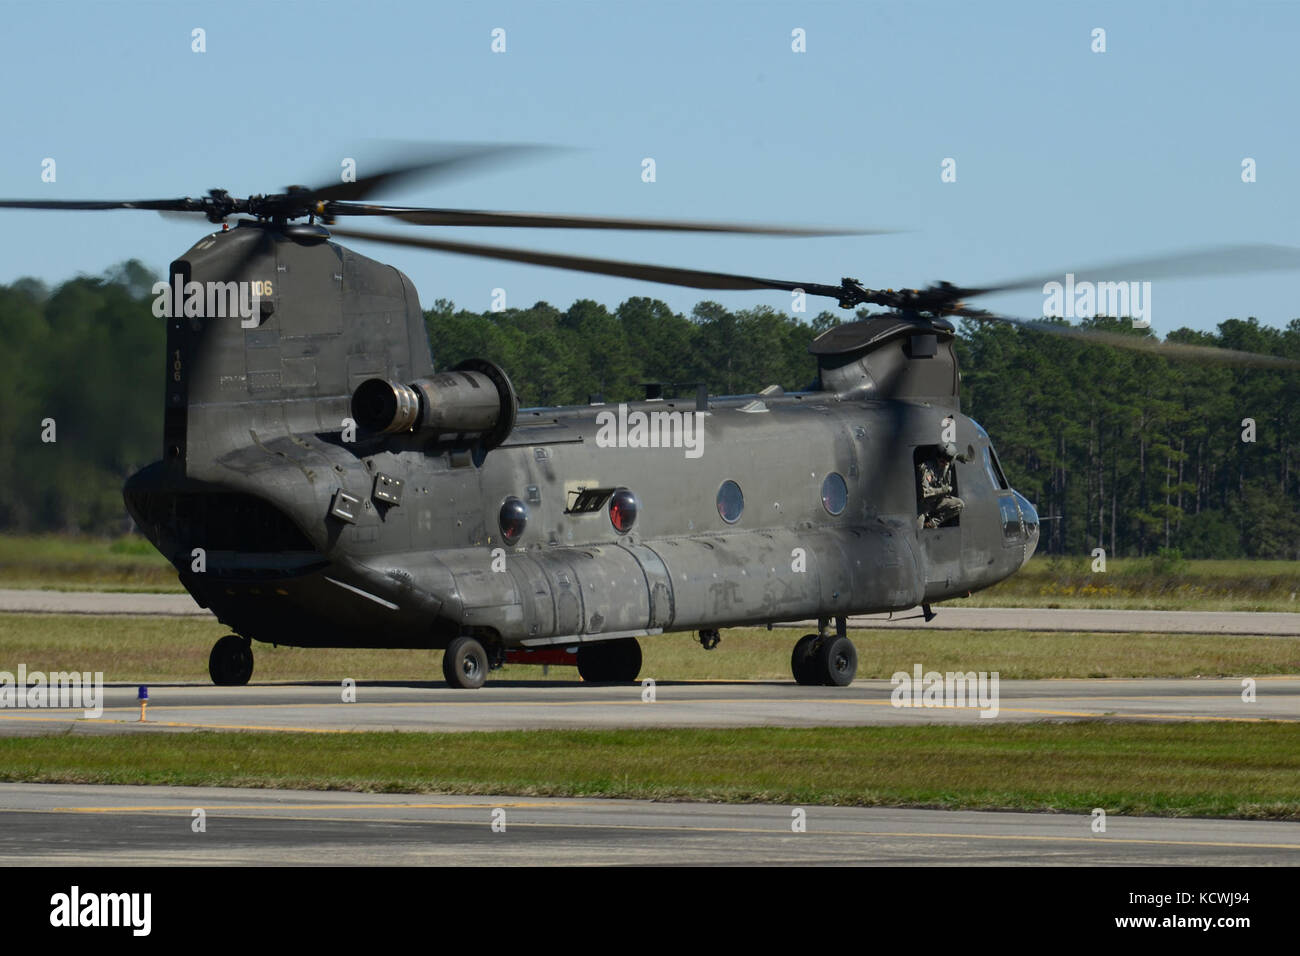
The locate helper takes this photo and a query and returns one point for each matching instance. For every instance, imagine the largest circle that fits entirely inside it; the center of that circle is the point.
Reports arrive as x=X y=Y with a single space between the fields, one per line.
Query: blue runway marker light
x=142 y=693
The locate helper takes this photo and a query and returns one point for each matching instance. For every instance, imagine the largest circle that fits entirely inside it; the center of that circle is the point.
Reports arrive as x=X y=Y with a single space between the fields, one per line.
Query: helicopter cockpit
x=1019 y=517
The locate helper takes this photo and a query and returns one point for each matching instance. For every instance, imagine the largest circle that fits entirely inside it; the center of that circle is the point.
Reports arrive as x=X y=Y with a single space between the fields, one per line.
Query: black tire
x=837 y=662
x=465 y=663
x=802 y=663
x=610 y=662
x=231 y=662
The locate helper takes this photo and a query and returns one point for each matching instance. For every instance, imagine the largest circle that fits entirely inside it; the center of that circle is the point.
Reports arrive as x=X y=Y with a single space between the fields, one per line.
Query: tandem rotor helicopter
x=343 y=493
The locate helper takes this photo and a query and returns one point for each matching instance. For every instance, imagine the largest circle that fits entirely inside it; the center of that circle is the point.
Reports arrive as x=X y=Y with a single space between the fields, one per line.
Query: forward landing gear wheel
x=837 y=662
x=802 y=663
x=465 y=663
x=610 y=662
x=231 y=662
x=829 y=661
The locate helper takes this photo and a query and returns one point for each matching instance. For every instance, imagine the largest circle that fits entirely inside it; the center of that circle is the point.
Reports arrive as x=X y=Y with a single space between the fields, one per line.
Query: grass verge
x=1147 y=583
x=76 y=563
x=1210 y=770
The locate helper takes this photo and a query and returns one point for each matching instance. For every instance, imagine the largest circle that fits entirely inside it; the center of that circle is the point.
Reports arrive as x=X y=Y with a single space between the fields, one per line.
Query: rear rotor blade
x=534 y=220
x=1205 y=354
x=669 y=275
x=437 y=162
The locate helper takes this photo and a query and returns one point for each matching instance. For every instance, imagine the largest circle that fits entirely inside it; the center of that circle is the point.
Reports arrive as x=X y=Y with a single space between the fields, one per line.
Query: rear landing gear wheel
x=465 y=663
x=802 y=663
x=836 y=662
x=231 y=662
x=610 y=662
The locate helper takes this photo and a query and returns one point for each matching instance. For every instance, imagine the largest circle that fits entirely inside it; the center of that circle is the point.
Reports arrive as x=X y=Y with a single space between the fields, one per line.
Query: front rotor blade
x=445 y=161
x=1220 y=260
x=1205 y=354
x=535 y=220
x=669 y=275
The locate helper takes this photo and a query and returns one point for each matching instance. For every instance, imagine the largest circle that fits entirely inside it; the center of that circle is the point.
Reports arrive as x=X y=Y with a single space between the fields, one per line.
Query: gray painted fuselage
x=256 y=452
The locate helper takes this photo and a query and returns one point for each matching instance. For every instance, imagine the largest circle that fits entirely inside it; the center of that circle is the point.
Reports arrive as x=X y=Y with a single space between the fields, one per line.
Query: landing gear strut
x=709 y=639
x=231 y=662
x=825 y=659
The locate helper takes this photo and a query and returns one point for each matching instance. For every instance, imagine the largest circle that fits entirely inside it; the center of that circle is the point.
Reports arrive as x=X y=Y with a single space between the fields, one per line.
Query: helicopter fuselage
x=296 y=528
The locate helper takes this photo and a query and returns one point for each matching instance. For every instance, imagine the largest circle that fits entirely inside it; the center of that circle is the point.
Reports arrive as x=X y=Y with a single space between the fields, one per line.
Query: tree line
x=1122 y=450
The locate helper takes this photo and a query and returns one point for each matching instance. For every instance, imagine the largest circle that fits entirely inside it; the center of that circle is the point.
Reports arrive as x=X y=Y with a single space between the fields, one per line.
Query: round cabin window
x=835 y=494
x=731 y=502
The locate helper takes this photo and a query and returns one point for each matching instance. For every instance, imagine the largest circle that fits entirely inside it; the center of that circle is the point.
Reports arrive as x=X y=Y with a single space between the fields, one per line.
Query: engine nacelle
x=474 y=401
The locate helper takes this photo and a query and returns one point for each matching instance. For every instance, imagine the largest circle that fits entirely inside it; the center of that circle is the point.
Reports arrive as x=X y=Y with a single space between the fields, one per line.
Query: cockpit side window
x=994 y=468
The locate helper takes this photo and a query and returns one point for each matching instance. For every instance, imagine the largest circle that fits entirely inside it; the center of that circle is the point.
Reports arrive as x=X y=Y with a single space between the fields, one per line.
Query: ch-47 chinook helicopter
x=343 y=493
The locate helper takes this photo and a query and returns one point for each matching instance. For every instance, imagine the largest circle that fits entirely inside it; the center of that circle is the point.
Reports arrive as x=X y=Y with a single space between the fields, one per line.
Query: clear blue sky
x=1065 y=157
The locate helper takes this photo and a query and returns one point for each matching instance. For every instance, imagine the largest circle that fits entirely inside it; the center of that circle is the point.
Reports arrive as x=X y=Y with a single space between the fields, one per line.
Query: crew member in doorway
x=938 y=503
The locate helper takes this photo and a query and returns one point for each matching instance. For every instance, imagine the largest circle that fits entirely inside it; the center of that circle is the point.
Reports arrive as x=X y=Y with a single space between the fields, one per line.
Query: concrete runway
x=949 y=618
x=523 y=705
x=68 y=825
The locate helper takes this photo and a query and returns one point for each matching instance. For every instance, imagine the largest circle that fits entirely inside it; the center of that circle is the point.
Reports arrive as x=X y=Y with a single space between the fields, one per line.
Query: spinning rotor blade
x=174 y=205
x=332 y=200
x=669 y=275
x=1173 y=350
x=297 y=201
x=534 y=220
x=453 y=159
x=1219 y=260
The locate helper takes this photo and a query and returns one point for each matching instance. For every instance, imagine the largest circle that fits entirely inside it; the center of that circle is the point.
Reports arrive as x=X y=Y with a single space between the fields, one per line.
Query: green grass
x=1137 y=583
x=140 y=649
x=73 y=563
x=1218 y=770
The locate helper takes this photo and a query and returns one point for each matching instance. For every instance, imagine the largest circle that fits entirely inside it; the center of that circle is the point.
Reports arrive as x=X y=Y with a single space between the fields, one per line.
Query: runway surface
x=68 y=825
x=522 y=705
x=949 y=618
